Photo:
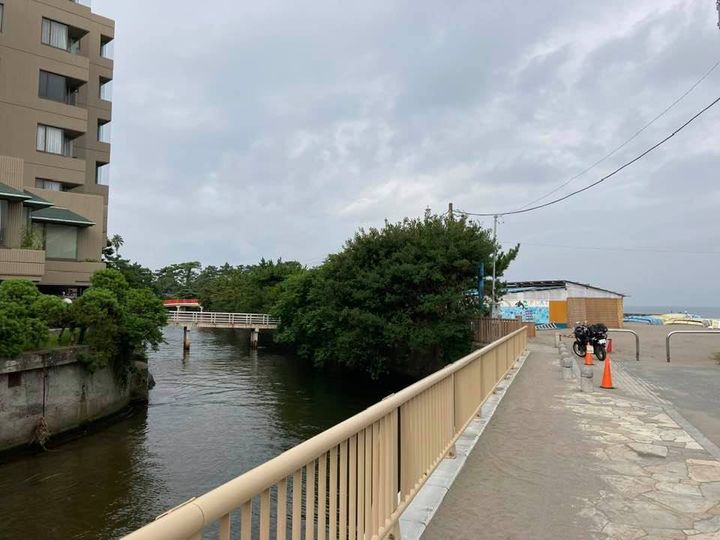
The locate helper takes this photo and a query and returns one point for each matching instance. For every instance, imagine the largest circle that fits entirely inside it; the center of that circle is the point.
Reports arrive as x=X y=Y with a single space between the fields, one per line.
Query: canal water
x=214 y=414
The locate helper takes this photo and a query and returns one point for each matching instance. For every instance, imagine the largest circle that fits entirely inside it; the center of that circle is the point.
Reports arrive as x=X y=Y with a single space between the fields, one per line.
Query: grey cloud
x=274 y=129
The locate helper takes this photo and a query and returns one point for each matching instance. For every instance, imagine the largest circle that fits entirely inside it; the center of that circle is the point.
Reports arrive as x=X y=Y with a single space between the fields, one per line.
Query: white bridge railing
x=222 y=319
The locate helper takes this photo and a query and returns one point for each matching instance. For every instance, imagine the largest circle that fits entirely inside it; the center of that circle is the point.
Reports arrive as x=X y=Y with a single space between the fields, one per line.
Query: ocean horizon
x=702 y=311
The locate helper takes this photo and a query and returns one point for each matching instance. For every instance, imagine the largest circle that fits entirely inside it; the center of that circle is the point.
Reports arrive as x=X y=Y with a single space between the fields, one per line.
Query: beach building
x=562 y=303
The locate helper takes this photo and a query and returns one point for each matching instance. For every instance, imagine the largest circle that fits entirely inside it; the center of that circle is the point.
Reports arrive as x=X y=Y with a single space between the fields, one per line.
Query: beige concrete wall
x=22 y=263
x=11 y=174
x=22 y=57
x=11 y=171
x=69 y=273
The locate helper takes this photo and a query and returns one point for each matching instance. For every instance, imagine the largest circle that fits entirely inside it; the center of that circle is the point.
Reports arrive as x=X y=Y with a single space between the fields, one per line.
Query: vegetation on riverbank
x=117 y=322
x=239 y=289
x=396 y=299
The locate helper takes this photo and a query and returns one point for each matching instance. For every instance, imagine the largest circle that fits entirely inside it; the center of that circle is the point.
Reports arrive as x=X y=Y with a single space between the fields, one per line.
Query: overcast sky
x=277 y=128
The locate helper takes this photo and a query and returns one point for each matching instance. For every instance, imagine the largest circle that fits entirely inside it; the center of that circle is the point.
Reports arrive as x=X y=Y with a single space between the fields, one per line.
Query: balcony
x=22 y=263
x=78 y=273
x=62 y=36
x=60 y=88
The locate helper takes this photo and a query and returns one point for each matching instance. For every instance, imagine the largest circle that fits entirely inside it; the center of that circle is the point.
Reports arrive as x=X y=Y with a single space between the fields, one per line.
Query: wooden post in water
x=254 y=335
x=186 y=338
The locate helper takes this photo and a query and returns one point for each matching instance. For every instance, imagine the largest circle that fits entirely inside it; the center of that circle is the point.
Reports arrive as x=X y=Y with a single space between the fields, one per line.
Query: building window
x=107 y=47
x=54 y=141
x=55 y=34
x=58 y=88
x=14 y=379
x=50 y=185
x=102 y=173
x=27 y=217
x=60 y=242
x=4 y=208
x=103 y=133
x=105 y=89
x=61 y=36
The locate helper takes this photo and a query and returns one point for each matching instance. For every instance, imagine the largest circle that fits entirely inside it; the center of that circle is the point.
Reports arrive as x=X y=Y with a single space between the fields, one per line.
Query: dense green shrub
x=20 y=292
x=20 y=327
x=12 y=332
x=115 y=321
x=394 y=299
x=244 y=289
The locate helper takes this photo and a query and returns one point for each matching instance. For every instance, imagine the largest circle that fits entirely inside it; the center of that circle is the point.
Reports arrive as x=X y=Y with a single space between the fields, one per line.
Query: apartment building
x=56 y=73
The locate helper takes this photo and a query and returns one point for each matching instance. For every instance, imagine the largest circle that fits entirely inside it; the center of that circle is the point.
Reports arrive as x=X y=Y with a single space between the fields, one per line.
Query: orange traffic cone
x=588 y=356
x=607 y=376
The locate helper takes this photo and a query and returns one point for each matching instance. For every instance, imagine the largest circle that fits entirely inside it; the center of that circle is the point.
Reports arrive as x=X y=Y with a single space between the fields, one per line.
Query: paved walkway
x=556 y=463
x=690 y=382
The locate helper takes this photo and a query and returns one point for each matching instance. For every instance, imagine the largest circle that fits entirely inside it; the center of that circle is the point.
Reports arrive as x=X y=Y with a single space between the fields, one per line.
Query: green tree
x=50 y=309
x=117 y=322
x=137 y=276
x=17 y=300
x=20 y=292
x=12 y=332
x=98 y=314
x=112 y=280
x=246 y=289
x=394 y=299
x=178 y=280
x=116 y=242
x=145 y=317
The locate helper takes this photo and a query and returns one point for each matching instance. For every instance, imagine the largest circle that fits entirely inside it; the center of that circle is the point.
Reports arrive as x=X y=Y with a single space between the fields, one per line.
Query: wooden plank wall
x=608 y=311
x=487 y=330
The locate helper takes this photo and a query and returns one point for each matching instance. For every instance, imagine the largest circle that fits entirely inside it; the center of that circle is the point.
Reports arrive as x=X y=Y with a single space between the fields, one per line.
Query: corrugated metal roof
x=522 y=286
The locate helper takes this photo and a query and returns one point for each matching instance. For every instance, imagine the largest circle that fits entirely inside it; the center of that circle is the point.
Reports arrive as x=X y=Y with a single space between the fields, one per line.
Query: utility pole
x=450 y=205
x=718 y=8
x=493 y=309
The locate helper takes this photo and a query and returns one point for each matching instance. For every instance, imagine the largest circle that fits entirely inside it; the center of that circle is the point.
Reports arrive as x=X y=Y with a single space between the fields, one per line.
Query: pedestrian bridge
x=209 y=319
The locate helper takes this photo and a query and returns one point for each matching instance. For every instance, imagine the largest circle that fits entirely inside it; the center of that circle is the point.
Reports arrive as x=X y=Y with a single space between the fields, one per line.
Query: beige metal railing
x=354 y=480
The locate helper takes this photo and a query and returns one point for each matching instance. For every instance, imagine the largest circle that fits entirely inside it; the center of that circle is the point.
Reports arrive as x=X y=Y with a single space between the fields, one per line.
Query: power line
x=626 y=249
x=632 y=138
x=601 y=180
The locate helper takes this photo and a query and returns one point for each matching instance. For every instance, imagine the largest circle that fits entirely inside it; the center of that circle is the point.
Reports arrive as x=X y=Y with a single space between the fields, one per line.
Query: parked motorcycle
x=595 y=335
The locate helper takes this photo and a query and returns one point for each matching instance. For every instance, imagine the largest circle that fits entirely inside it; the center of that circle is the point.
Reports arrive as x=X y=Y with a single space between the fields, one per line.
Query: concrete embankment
x=51 y=392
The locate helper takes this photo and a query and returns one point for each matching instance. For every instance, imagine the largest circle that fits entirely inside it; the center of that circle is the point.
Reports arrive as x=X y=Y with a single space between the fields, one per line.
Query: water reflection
x=214 y=413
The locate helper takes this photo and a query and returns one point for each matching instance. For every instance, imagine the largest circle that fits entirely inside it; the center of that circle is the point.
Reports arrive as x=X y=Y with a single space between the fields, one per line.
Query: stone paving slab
x=663 y=481
x=638 y=472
